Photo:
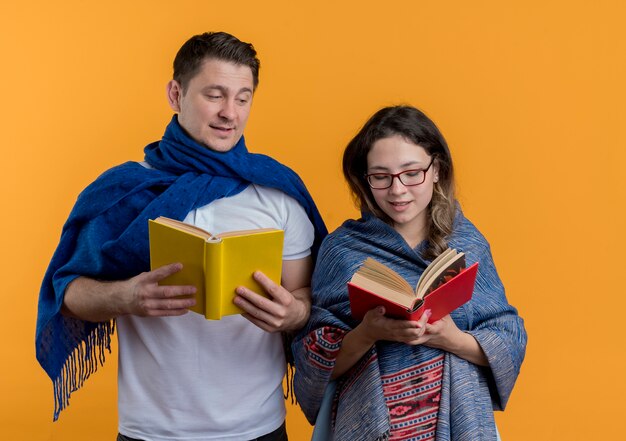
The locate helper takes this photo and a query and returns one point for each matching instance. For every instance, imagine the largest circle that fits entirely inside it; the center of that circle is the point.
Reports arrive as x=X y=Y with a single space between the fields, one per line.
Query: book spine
x=213 y=277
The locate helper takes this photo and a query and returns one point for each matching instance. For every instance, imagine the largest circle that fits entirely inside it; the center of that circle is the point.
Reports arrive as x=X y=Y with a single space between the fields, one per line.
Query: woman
x=399 y=379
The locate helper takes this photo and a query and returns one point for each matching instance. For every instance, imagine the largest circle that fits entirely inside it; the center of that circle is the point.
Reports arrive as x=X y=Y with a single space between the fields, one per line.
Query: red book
x=444 y=286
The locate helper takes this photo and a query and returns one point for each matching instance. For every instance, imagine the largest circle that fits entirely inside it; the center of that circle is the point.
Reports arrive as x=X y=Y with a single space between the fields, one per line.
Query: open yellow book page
x=400 y=297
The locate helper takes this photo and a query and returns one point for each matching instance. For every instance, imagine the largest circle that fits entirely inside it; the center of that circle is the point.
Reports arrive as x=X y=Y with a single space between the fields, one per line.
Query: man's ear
x=174 y=95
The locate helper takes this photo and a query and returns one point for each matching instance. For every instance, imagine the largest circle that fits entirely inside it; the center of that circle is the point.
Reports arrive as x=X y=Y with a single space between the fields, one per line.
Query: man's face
x=215 y=106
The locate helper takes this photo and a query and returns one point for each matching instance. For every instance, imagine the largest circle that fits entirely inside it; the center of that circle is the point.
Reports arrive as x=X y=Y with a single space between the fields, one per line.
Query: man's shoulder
x=118 y=178
x=126 y=167
x=117 y=172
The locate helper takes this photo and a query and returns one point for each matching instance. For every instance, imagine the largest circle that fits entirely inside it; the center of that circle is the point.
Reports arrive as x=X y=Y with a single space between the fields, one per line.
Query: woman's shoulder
x=343 y=232
x=465 y=235
x=363 y=228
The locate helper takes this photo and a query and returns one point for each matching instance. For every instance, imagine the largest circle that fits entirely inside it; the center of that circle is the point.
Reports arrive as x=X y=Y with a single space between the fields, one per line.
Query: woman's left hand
x=444 y=334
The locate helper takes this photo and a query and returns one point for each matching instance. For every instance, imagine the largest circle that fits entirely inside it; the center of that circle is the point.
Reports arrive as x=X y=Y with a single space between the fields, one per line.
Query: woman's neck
x=412 y=234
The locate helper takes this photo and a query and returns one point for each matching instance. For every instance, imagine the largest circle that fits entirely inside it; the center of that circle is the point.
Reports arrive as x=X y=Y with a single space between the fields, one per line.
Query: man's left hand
x=281 y=310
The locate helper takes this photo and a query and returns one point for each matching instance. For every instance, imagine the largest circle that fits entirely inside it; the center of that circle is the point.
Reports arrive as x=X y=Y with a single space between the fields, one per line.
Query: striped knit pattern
x=323 y=345
x=468 y=394
x=412 y=396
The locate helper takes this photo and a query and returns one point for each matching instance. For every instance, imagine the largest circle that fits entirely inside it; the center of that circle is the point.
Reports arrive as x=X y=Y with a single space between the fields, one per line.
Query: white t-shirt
x=188 y=378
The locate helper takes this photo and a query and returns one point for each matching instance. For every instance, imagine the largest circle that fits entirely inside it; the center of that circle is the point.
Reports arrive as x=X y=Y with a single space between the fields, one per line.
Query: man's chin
x=220 y=145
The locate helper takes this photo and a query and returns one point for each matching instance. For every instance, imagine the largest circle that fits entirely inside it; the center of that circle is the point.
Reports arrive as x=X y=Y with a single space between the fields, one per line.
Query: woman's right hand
x=375 y=326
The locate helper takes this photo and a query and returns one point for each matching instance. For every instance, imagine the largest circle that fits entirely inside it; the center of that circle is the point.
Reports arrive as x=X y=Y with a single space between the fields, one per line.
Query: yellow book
x=215 y=264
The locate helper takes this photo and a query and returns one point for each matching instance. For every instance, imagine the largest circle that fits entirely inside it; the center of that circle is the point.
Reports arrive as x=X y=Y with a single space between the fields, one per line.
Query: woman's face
x=407 y=206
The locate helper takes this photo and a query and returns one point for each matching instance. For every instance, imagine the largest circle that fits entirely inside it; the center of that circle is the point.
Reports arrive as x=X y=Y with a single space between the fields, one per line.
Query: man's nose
x=228 y=109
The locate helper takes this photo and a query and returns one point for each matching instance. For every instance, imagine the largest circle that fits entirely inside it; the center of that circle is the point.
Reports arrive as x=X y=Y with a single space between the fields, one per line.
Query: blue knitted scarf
x=106 y=236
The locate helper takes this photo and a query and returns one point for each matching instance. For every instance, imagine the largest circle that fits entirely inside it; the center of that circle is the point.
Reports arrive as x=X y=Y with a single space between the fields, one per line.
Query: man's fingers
x=279 y=297
x=150 y=282
x=166 y=307
x=166 y=312
x=261 y=324
x=162 y=272
x=258 y=306
x=274 y=290
x=172 y=291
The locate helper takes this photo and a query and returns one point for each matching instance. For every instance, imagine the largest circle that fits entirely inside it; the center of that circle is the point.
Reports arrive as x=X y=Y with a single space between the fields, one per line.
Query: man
x=182 y=377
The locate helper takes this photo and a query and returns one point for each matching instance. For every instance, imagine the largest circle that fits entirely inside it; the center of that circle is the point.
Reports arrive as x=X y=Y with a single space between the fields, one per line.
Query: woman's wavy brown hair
x=417 y=128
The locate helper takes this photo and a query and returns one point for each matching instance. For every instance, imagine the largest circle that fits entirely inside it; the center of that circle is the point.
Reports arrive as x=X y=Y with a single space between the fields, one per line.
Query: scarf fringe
x=81 y=363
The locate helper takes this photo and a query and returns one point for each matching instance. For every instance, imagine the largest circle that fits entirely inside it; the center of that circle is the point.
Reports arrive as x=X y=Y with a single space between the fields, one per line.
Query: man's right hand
x=148 y=299
x=94 y=300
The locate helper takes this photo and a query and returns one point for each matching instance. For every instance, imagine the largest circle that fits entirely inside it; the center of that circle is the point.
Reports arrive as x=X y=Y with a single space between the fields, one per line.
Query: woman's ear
x=435 y=172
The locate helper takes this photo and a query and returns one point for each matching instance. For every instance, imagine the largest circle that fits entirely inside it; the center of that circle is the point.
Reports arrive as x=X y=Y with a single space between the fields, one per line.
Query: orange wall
x=530 y=97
